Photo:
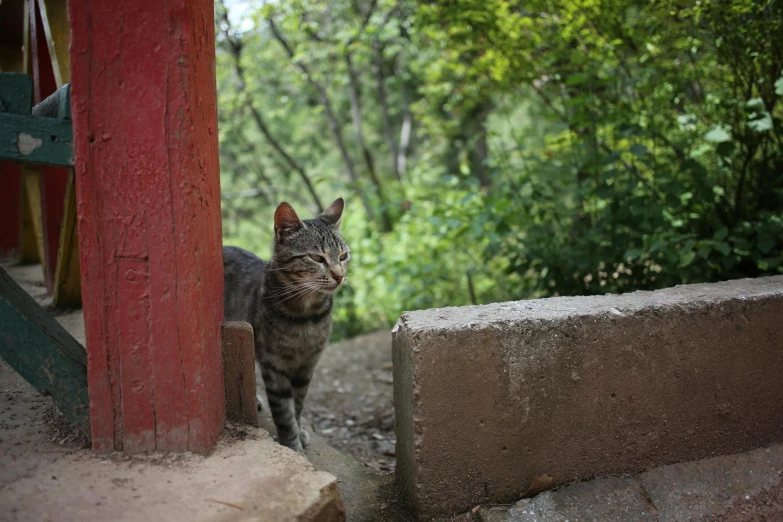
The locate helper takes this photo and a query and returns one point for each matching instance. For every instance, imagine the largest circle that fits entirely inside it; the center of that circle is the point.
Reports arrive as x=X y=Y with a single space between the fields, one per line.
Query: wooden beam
x=53 y=179
x=67 y=277
x=32 y=218
x=46 y=141
x=54 y=17
x=239 y=372
x=30 y=242
x=148 y=193
x=43 y=352
x=67 y=288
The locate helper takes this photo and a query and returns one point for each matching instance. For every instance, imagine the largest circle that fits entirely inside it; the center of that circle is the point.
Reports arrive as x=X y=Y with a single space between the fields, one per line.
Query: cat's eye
x=344 y=256
x=317 y=258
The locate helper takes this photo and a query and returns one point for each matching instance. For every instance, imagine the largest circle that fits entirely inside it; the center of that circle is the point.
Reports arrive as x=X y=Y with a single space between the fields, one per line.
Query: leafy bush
x=496 y=150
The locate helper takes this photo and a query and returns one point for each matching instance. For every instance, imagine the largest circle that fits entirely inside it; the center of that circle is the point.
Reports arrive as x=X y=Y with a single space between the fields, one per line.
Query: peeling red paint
x=149 y=221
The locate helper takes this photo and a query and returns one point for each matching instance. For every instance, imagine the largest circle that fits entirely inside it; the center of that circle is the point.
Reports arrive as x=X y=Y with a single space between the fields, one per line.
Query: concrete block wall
x=575 y=387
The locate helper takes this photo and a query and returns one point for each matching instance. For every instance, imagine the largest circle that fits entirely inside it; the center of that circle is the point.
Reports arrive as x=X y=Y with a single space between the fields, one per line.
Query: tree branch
x=405 y=131
x=231 y=160
x=330 y=117
x=356 y=113
x=380 y=87
x=234 y=46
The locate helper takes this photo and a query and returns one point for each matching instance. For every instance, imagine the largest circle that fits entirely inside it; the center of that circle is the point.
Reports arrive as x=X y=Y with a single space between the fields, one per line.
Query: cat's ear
x=334 y=213
x=286 y=220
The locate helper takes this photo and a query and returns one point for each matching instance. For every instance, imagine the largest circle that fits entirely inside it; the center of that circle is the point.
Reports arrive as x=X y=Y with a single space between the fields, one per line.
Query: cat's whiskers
x=291 y=291
x=288 y=289
x=306 y=292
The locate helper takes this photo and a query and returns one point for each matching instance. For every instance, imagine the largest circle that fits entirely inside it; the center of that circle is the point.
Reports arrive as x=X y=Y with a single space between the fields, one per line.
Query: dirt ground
x=766 y=506
x=38 y=431
x=350 y=400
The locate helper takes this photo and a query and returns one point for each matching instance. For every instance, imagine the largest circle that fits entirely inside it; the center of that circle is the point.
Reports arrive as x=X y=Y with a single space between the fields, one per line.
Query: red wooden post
x=53 y=179
x=148 y=189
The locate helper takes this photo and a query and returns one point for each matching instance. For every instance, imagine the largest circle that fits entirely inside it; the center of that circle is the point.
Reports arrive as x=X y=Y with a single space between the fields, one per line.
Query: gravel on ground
x=350 y=399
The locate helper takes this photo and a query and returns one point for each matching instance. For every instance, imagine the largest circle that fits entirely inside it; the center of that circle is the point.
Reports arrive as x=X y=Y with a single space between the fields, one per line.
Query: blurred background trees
x=494 y=150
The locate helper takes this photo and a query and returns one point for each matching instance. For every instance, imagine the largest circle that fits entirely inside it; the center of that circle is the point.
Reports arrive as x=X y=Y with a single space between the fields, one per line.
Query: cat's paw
x=295 y=445
x=298 y=448
x=259 y=403
x=304 y=438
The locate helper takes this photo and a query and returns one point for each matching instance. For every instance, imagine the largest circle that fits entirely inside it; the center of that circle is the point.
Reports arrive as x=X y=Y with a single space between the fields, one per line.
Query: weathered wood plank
x=47 y=141
x=32 y=217
x=43 y=352
x=53 y=178
x=16 y=93
x=54 y=15
x=28 y=241
x=239 y=372
x=57 y=105
x=67 y=276
x=67 y=283
x=54 y=181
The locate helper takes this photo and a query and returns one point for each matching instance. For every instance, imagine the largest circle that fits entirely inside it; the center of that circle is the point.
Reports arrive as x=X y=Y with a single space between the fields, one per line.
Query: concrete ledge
x=486 y=397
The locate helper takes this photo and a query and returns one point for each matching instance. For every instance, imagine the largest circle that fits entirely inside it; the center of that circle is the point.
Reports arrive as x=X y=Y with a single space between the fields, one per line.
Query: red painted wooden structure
x=144 y=113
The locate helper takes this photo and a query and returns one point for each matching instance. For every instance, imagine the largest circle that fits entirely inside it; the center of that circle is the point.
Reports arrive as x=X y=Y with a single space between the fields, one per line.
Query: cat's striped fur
x=288 y=301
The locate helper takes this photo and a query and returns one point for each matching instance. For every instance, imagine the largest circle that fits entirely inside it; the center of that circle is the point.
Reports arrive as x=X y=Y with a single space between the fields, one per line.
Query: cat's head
x=311 y=252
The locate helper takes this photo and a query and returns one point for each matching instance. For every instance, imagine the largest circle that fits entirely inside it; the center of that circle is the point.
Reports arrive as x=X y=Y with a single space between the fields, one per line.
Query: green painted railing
x=42 y=134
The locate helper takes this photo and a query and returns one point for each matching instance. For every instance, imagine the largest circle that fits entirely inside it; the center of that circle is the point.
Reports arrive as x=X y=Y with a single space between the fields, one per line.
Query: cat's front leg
x=300 y=384
x=280 y=395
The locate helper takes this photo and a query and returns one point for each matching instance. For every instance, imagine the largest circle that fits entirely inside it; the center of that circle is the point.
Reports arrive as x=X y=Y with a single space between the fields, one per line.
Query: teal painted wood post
x=43 y=353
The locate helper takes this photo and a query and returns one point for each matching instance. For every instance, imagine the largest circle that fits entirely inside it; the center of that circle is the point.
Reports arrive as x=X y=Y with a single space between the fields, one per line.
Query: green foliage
x=557 y=147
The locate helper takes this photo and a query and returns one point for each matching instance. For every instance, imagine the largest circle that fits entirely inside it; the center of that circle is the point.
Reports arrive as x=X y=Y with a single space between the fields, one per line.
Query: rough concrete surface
x=605 y=499
x=488 y=396
x=248 y=477
x=740 y=487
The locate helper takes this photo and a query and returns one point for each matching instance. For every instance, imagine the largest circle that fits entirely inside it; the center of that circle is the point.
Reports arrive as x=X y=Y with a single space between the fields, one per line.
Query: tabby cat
x=288 y=301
